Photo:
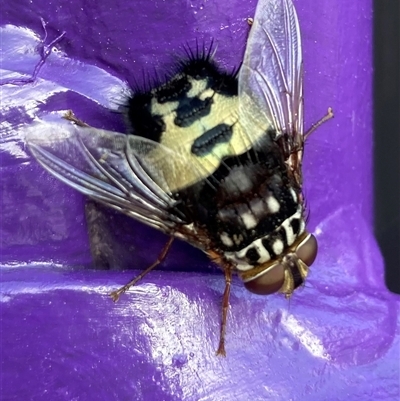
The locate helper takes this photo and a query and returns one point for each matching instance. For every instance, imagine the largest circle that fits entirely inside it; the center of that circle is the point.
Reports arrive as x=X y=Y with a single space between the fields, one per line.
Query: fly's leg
x=70 y=116
x=313 y=127
x=225 y=306
x=161 y=257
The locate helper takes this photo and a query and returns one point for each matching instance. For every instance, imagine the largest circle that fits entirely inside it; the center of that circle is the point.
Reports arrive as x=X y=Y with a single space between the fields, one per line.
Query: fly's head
x=286 y=273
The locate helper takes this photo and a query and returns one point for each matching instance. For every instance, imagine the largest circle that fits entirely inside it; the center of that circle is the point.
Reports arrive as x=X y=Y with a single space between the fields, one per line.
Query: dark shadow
x=387 y=137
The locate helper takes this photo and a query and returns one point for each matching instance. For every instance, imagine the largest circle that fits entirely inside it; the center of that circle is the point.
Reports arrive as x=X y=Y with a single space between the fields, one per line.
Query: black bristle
x=142 y=121
x=197 y=64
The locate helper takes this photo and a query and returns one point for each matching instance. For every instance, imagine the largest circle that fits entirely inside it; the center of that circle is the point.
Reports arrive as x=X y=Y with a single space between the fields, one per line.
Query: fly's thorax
x=195 y=116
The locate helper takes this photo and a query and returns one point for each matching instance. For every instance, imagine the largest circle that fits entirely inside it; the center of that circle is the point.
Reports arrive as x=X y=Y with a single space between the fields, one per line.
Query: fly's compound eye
x=307 y=250
x=289 y=274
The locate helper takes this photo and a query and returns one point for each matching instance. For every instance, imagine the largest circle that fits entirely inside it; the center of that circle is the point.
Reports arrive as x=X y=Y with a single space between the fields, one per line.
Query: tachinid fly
x=210 y=157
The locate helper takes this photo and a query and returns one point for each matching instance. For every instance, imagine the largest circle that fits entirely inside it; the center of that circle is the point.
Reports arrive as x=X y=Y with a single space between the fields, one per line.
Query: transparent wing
x=108 y=167
x=270 y=79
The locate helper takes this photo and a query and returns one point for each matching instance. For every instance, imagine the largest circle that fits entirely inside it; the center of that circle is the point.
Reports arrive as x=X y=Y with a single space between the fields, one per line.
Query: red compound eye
x=308 y=250
x=268 y=283
x=272 y=281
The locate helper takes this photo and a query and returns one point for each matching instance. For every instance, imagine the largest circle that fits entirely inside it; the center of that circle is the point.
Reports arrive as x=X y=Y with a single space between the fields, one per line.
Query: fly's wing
x=270 y=79
x=112 y=168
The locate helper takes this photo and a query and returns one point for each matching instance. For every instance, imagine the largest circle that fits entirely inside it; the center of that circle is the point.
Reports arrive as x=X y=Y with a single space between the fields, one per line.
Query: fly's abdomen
x=250 y=206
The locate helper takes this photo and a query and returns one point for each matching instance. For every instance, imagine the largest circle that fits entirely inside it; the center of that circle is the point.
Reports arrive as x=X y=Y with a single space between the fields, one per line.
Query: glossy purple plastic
x=62 y=338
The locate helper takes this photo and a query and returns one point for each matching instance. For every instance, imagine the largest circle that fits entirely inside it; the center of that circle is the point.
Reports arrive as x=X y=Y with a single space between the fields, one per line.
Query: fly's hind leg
x=161 y=257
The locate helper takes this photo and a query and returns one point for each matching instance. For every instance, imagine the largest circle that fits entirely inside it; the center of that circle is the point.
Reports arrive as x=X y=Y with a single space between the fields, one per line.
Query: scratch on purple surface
x=44 y=51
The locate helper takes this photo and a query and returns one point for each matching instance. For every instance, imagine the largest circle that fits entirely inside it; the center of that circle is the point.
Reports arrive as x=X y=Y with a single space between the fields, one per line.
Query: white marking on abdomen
x=293 y=193
x=240 y=264
x=264 y=254
x=290 y=237
x=240 y=259
x=249 y=220
x=302 y=226
x=226 y=240
x=277 y=247
x=273 y=204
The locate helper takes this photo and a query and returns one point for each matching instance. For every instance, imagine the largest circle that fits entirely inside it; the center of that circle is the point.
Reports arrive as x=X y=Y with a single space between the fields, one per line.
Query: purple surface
x=62 y=338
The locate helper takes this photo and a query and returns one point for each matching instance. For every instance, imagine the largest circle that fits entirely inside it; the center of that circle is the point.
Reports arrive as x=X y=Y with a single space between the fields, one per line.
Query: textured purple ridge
x=62 y=338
